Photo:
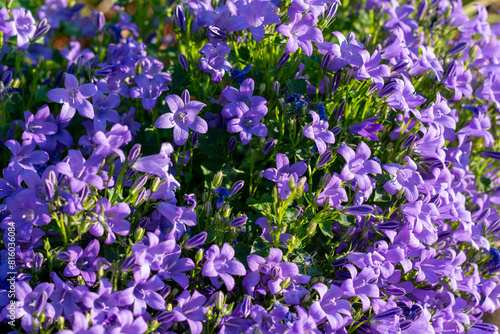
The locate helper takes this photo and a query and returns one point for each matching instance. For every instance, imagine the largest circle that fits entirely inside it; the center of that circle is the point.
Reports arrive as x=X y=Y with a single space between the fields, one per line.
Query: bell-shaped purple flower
x=318 y=131
x=221 y=263
x=404 y=177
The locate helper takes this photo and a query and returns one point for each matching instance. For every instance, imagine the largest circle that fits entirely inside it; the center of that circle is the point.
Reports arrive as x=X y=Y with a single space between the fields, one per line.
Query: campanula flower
x=318 y=131
x=75 y=95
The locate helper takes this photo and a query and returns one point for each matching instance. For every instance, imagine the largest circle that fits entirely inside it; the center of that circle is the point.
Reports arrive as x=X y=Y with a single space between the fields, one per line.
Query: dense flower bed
x=249 y=166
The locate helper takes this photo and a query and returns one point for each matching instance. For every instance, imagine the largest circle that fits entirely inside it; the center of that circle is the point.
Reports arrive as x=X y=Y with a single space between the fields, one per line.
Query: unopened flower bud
x=388 y=225
x=209 y=315
x=262 y=88
x=239 y=221
x=60 y=323
x=359 y=210
x=276 y=87
x=141 y=197
x=38 y=261
x=336 y=81
x=458 y=48
x=231 y=144
x=49 y=189
x=180 y=18
x=269 y=145
x=196 y=241
x=156 y=184
x=421 y=10
x=7 y=78
x=325 y=60
x=311 y=229
x=199 y=256
x=325 y=179
x=305 y=299
x=286 y=283
x=220 y=300
x=183 y=61
x=139 y=234
x=139 y=183
x=100 y=21
x=195 y=138
x=402 y=65
x=100 y=268
x=217 y=180
x=128 y=263
x=185 y=96
x=216 y=32
x=283 y=60
x=208 y=209
x=237 y=187
x=473 y=52
x=413 y=137
x=451 y=70
x=324 y=159
x=226 y=211
x=42 y=28
x=340 y=111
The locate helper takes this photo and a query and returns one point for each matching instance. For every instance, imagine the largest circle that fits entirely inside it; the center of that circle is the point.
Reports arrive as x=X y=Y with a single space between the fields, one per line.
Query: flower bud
x=199 y=256
x=451 y=70
x=305 y=299
x=286 y=283
x=421 y=10
x=38 y=261
x=237 y=187
x=226 y=211
x=402 y=65
x=180 y=18
x=473 y=52
x=100 y=21
x=209 y=315
x=220 y=300
x=183 y=61
x=335 y=81
x=458 y=48
x=185 y=96
x=128 y=263
x=156 y=184
x=325 y=60
x=49 y=189
x=491 y=155
x=311 y=229
x=167 y=316
x=196 y=241
x=141 y=197
x=412 y=138
x=283 y=60
x=493 y=227
x=388 y=225
x=262 y=88
x=217 y=180
x=269 y=145
x=340 y=111
x=388 y=89
x=324 y=159
x=42 y=28
x=483 y=215
x=139 y=183
x=276 y=87
x=7 y=78
x=208 y=209
x=325 y=179
x=394 y=311
x=139 y=234
x=105 y=71
x=216 y=32
x=195 y=138
x=231 y=143
x=359 y=210
x=165 y=291
x=100 y=268
x=239 y=221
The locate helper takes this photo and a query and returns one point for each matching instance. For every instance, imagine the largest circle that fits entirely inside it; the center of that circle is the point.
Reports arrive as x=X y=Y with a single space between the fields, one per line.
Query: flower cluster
x=249 y=167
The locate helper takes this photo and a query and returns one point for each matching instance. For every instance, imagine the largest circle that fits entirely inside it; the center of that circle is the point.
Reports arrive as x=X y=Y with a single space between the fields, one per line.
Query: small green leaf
x=326 y=228
x=346 y=220
x=260 y=247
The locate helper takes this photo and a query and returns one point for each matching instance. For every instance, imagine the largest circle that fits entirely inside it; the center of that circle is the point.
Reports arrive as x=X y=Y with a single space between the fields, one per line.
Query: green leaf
x=262 y=203
x=291 y=214
x=298 y=86
x=346 y=220
x=326 y=228
x=260 y=247
x=311 y=268
x=241 y=251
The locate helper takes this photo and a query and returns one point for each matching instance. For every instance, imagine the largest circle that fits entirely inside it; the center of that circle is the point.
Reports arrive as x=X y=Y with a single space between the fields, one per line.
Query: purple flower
x=333 y=193
x=367 y=128
x=249 y=122
x=110 y=219
x=214 y=61
x=149 y=89
x=24 y=156
x=304 y=323
x=8 y=28
x=182 y=118
x=104 y=110
x=342 y=54
x=330 y=306
x=318 y=131
x=254 y=15
x=370 y=67
x=399 y=18
x=76 y=52
x=300 y=32
x=221 y=263
x=75 y=95
x=80 y=325
x=157 y=164
x=478 y=127
x=404 y=177
x=361 y=285
x=283 y=172
x=438 y=112
x=83 y=262
x=459 y=82
x=268 y=323
x=153 y=251
x=191 y=309
x=38 y=126
x=317 y=7
x=79 y=172
x=358 y=166
x=245 y=93
x=24 y=27
x=141 y=292
x=173 y=267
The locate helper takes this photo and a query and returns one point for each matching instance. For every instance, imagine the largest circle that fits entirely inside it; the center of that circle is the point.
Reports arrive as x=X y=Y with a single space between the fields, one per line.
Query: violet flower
x=333 y=194
x=248 y=123
x=330 y=306
x=39 y=126
x=75 y=95
x=358 y=165
x=214 y=61
x=110 y=219
x=104 y=110
x=157 y=164
x=76 y=52
x=361 y=285
x=79 y=171
x=367 y=128
x=268 y=323
x=254 y=15
x=149 y=89
x=83 y=262
x=404 y=177
x=221 y=263
x=370 y=68
x=191 y=309
x=283 y=172
x=24 y=27
x=232 y=95
x=318 y=131
x=182 y=118
x=300 y=32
